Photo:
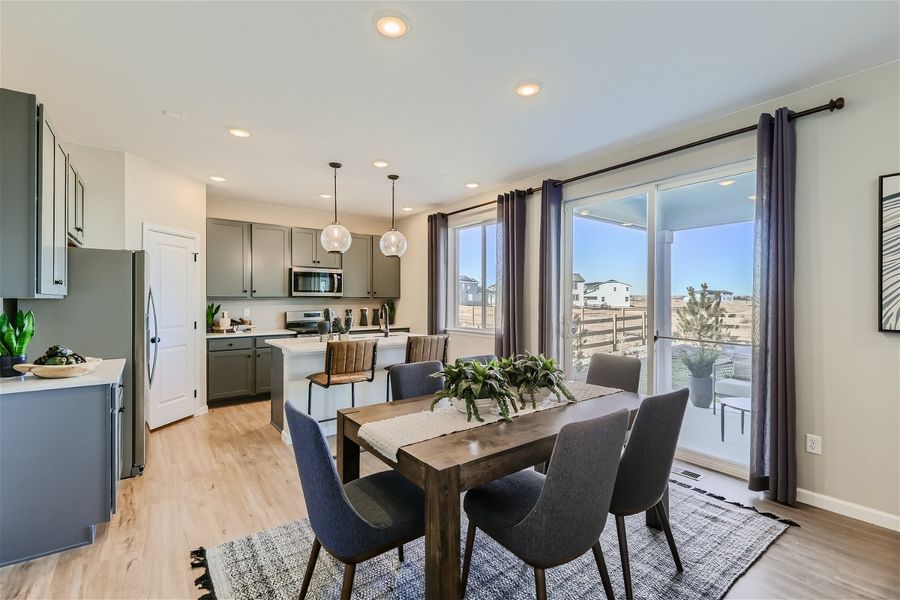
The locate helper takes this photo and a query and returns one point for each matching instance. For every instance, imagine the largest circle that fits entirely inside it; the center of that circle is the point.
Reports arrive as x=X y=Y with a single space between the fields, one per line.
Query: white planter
x=537 y=397
x=484 y=405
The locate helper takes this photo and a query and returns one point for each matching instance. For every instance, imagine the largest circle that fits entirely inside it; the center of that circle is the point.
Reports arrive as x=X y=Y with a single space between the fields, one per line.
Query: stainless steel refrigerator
x=107 y=313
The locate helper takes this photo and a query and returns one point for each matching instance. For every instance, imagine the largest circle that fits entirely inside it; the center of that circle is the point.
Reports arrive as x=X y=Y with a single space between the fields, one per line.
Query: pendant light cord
x=335 y=195
x=393 y=183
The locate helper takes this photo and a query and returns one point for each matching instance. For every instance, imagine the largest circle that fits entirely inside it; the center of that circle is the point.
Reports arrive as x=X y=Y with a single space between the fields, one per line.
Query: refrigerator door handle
x=154 y=340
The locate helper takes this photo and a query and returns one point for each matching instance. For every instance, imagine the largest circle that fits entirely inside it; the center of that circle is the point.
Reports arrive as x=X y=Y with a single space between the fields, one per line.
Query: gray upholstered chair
x=482 y=358
x=549 y=521
x=421 y=348
x=415 y=379
x=356 y=521
x=611 y=370
x=643 y=476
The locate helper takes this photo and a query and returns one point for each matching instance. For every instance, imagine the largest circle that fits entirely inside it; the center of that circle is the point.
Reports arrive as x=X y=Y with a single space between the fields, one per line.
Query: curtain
x=509 y=309
x=773 y=458
x=549 y=315
x=437 y=273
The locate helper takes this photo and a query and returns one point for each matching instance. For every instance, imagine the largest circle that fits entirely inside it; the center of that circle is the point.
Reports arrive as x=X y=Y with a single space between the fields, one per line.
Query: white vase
x=482 y=404
x=536 y=397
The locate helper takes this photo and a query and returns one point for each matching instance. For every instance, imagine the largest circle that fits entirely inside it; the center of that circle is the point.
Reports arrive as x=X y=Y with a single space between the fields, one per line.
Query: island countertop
x=106 y=373
x=314 y=346
x=251 y=333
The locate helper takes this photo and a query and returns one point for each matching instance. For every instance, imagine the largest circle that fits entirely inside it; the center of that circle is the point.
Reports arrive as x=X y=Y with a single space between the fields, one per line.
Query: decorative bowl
x=60 y=371
x=483 y=404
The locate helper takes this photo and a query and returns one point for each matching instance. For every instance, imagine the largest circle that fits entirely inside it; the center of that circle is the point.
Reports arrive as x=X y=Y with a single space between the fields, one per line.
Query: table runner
x=389 y=435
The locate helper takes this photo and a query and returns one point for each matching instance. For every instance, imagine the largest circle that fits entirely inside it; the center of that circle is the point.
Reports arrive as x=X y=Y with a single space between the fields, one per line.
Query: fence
x=609 y=330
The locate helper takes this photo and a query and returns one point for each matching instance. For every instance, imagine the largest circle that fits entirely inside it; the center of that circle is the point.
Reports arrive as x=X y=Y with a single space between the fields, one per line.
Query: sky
x=468 y=245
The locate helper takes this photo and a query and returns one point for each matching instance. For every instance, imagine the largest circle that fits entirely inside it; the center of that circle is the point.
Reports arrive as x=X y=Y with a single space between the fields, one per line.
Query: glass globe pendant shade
x=393 y=243
x=336 y=238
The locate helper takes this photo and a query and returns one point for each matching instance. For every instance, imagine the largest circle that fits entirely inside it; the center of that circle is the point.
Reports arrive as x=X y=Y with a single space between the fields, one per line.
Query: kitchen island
x=294 y=359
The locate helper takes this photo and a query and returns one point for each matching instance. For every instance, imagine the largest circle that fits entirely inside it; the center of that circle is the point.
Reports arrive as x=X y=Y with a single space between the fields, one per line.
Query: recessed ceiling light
x=528 y=88
x=584 y=212
x=751 y=197
x=380 y=163
x=407 y=209
x=627 y=224
x=326 y=196
x=726 y=182
x=472 y=185
x=238 y=132
x=391 y=26
x=173 y=115
x=218 y=178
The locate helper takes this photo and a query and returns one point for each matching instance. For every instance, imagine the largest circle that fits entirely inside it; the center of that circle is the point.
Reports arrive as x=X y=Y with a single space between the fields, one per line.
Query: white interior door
x=172 y=352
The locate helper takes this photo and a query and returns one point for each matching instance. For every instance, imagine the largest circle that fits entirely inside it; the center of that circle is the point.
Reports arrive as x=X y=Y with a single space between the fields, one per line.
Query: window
x=474 y=269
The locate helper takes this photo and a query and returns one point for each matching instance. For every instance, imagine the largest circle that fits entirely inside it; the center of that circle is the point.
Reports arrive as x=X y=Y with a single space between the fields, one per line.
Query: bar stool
x=345 y=363
x=421 y=348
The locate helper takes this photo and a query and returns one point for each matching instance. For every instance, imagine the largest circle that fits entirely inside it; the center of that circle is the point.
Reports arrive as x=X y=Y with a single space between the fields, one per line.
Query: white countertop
x=377 y=327
x=252 y=333
x=106 y=373
x=313 y=346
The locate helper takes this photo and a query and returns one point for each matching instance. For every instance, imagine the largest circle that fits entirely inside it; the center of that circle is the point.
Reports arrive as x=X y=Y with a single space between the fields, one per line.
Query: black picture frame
x=889 y=257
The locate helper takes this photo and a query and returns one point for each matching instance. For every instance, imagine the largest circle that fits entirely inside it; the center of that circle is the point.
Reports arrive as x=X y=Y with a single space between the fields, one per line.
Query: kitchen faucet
x=384 y=319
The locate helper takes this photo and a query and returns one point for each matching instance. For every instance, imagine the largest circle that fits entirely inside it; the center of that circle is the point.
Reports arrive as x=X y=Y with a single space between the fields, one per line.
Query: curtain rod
x=831 y=106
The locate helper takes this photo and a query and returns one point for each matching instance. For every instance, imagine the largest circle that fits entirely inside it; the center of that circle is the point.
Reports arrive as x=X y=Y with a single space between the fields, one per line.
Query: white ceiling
x=315 y=82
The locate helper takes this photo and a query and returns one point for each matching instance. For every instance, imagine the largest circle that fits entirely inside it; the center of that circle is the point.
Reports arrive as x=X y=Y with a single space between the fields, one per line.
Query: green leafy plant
x=699 y=361
x=527 y=373
x=211 y=311
x=471 y=381
x=15 y=335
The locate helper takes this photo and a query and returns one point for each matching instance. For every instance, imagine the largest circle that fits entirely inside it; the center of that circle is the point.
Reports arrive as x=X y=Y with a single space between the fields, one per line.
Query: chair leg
x=722 y=415
x=467 y=559
x=347 y=588
x=353 y=395
x=310 y=567
x=400 y=552
x=309 y=400
x=387 y=387
x=540 y=585
x=604 y=574
x=623 y=553
x=742 y=422
x=664 y=519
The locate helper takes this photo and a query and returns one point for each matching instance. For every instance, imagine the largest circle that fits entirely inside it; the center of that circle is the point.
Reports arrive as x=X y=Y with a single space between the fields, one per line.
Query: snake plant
x=473 y=380
x=15 y=335
x=211 y=311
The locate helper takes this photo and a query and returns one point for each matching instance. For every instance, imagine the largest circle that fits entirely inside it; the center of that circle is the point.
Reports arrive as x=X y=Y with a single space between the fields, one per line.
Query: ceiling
x=314 y=82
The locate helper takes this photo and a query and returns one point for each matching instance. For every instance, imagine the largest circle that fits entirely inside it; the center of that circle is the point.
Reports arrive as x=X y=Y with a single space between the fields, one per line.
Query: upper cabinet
x=33 y=201
x=367 y=272
x=271 y=260
x=74 y=205
x=306 y=251
x=385 y=273
x=227 y=259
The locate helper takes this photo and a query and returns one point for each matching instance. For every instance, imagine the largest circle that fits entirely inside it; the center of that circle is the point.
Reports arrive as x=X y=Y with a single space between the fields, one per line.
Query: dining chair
x=643 y=476
x=482 y=358
x=550 y=520
x=346 y=363
x=421 y=348
x=415 y=379
x=612 y=370
x=355 y=521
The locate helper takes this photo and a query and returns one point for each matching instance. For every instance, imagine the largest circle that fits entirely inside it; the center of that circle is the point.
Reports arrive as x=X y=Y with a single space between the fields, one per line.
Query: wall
x=103 y=172
x=848 y=387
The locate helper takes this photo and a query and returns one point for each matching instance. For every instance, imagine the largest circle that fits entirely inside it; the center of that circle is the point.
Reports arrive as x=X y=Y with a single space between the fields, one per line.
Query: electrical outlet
x=813 y=443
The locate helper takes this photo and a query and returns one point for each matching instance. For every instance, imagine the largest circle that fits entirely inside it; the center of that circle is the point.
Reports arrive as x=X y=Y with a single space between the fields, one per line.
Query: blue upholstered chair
x=549 y=521
x=412 y=380
x=644 y=469
x=482 y=358
x=611 y=370
x=354 y=521
x=421 y=348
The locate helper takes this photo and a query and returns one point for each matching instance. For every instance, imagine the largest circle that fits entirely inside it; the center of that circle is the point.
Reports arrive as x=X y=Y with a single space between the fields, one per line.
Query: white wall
x=848 y=387
x=103 y=172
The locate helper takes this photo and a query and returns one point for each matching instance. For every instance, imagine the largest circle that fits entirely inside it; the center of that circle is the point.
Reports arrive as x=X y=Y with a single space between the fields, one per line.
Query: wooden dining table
x=446 y=466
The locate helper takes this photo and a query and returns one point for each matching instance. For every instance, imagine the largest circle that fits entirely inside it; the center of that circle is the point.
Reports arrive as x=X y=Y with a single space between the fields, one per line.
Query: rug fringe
x=204 y=582
x=788 y=522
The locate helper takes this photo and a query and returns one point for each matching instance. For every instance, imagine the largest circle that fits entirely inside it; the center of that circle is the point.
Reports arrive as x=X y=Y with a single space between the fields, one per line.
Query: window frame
x=482 y=219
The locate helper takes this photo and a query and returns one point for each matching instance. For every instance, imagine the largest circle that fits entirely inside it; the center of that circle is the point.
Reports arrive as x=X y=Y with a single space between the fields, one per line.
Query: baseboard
x=849 y=509
x=202 y=410
x=713 y=463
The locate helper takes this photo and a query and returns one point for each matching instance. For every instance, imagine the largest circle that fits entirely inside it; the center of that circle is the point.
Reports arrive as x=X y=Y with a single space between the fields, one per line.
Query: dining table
x=444 y=467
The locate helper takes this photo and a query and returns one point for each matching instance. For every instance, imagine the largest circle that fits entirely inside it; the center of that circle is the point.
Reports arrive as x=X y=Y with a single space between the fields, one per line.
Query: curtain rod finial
x=837 y=103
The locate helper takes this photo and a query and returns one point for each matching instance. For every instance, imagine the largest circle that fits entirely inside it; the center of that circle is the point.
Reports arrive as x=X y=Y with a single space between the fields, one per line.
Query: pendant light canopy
x=393 y=243
x=336 y=238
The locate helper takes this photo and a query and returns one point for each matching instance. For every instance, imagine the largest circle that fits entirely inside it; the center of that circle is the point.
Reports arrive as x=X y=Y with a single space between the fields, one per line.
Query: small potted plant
x=474 y=387
x=211 y=311
x=14 y=339
x=699 y=362
x=529 y=373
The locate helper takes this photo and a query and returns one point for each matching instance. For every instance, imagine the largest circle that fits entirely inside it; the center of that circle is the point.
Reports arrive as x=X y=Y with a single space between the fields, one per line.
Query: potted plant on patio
x=534 y=376
x=15 y=336
x=701 y=319
x=473 y=387
x=699 y=362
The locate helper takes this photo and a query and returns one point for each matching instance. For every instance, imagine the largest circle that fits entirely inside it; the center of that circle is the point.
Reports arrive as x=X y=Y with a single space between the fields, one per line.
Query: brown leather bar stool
x=421 y=348
x=345 y=363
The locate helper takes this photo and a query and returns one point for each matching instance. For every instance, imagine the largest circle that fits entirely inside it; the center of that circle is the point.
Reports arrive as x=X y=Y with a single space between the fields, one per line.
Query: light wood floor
x=227 y=474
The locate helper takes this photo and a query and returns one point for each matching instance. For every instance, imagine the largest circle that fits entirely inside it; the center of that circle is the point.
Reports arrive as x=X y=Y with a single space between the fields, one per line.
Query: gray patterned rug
x=717 y=541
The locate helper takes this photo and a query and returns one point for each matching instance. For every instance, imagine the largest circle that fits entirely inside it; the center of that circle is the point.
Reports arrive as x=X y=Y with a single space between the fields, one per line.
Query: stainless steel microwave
x=310 y=281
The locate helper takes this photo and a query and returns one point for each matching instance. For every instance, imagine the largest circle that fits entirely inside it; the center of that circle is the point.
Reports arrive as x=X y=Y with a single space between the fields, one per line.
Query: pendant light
x=393 y=243
x=336 y=238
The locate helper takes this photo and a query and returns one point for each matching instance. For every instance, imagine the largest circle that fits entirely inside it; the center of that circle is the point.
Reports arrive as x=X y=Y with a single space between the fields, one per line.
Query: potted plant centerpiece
x=701 y=319
x=534 y=377
x=14 y=339
x=473 y=387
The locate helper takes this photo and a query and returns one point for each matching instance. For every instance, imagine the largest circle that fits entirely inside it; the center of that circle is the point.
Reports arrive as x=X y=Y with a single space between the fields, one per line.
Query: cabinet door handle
x=254 y=291
x=80 y=229
x=57 y=282
x=245 y=291
x=249 y=356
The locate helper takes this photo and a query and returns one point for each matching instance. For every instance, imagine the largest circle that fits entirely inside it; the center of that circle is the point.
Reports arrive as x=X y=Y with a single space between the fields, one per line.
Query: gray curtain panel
x=549 y=314
x=509 y=310
x=437 y=273
x=773 y=457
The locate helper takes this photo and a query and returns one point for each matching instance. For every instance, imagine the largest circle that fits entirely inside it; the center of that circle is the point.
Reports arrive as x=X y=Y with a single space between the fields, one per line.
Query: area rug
x=717 y=541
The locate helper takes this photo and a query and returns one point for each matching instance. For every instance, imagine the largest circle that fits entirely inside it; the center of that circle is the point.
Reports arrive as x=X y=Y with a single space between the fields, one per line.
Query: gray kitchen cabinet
x=307 y=250
x=357 y=266
x=74 y=205
x=263 y=369
x=60 y=241
x=79 y=207
x=228 y=261
x=270 y=260
x=385 y=273
x=231 y=373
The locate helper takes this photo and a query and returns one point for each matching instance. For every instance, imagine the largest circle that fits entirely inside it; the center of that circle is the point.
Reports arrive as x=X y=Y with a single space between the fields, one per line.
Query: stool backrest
x=426 y=348
x=354 y=356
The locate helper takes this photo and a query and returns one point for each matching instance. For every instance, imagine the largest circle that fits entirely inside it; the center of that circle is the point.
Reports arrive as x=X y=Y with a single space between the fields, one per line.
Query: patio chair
x=726 y=385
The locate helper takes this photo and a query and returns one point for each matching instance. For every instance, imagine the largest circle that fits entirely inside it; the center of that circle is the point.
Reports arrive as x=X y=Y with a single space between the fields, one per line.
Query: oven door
x=317 y=282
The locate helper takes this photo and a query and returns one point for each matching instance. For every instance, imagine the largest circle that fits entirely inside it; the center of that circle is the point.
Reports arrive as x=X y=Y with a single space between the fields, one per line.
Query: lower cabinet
x=263 y=370
x=238 y=367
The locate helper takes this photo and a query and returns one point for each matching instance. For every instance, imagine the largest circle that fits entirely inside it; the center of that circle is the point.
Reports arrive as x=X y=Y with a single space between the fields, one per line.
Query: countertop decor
x=107 y=373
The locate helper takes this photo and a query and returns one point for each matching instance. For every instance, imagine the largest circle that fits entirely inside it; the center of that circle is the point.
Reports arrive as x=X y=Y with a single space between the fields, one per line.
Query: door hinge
x=195 y=393
x=196 y=254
